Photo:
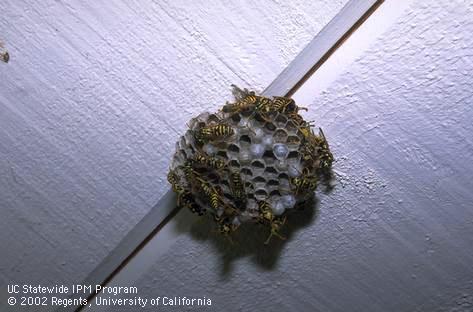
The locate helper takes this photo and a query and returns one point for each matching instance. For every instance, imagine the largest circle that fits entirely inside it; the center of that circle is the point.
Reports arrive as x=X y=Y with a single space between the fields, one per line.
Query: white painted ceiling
x=396 y=233
x=92 y=101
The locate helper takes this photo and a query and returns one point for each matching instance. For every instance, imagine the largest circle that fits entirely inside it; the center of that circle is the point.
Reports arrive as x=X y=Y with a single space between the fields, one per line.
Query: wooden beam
x=327 y=41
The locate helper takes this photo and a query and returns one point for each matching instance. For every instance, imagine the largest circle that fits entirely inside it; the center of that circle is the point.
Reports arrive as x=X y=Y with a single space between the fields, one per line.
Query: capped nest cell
x=252 y=161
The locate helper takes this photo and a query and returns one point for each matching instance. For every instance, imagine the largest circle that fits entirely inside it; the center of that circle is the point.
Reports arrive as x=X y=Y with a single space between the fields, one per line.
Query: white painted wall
x=397 y=231
x=93 y=99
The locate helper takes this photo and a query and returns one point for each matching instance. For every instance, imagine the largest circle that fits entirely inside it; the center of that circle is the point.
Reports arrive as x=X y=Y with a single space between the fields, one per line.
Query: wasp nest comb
x=252 y=161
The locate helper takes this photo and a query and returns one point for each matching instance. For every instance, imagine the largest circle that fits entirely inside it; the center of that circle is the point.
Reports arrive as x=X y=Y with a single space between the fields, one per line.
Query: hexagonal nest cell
x=252 y=161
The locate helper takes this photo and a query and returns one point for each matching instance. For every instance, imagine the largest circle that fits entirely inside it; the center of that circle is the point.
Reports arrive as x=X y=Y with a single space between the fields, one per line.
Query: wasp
x=245 y=99
x=219 y=130
x=189 y=173
x=215 y=198
x=306 y=129
x=304 y=183
x=237 y=188
x=264 y=105
x=241 y=105
x=308 y=148
x=185 y=199
x=182 y=195
x=315 y=147
x=267 y=216
x=226 y=227
x=266 y=212
x=308 y=153
x=276 y=226
x=213 y=132
x=173 y=178
x=209 y=161
x=211 y=193
x=301 y=124
x=286 y=105
x=297 y=119
x=325 y=156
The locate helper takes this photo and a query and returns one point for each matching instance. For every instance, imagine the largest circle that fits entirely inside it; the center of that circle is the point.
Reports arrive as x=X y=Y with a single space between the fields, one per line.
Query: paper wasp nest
x=252 y=161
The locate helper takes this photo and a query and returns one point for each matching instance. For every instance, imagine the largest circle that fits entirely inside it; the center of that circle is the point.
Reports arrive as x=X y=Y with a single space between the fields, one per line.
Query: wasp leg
x=274 y=233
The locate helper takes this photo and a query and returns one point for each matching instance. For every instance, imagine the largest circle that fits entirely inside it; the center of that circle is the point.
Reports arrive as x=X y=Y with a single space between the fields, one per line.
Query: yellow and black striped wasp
x=208 y=161
x=215 y=199
x=189 y=172
x=213 y=132
x=267 y=217
x=325 y=156
x=184 y=197
x=186 y=200
x=237 y=188
x=285 y=105
x=211 y=193
x=225 y=226
x=174 y=179
x=306 y=182
x=245 y=100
